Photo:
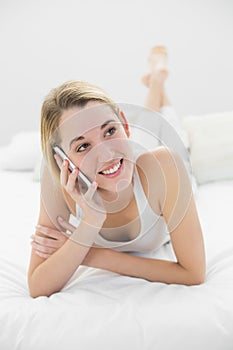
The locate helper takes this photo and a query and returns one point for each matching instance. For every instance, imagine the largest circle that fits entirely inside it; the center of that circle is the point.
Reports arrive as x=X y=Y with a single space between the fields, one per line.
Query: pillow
x=22 y=153
x=211 y=145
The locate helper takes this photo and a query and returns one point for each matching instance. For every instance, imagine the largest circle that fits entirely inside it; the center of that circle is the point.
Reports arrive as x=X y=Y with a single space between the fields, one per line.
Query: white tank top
x=153 y=234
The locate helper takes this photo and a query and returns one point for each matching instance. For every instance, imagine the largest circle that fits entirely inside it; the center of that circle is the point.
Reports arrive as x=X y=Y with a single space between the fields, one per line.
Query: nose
x=100 y=155
x=105 y=153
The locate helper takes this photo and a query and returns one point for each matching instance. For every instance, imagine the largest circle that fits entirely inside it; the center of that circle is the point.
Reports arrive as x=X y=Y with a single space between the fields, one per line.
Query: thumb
x=66 y=225
x=67 y=235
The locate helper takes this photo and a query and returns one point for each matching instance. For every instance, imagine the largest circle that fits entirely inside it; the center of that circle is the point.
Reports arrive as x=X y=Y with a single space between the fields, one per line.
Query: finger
x=64 y=172
x=43 y=249
x=71 y=183
x=51 y=243
x=48 y=231
x=66 y=225
x=91 y=191
x=66 y=234
x=54 y=233
x=42 y=255
x=58 y=160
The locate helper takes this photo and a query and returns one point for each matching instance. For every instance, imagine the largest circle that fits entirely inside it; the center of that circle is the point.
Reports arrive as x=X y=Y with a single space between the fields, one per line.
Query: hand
x=54 y=240
x=91 y=203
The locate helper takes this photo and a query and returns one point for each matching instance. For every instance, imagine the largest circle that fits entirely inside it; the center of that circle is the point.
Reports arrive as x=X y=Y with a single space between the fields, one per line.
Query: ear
x=125 y=123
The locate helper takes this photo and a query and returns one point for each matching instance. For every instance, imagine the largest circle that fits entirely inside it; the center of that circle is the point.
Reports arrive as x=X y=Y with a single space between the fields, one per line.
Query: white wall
x=106 y=42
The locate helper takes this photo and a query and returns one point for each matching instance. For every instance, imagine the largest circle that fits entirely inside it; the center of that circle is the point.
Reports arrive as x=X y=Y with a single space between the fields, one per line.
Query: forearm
x=153 y=270
x=52 y=274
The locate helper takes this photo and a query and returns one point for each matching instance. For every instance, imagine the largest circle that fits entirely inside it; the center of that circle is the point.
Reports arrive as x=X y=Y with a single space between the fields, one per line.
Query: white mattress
x=99 y=309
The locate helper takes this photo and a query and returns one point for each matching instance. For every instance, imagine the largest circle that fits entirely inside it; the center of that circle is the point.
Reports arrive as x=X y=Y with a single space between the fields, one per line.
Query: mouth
x=114 y=170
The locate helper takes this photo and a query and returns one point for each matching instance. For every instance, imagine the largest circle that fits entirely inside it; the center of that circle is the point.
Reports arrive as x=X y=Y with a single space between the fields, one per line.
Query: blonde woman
x=131 y=205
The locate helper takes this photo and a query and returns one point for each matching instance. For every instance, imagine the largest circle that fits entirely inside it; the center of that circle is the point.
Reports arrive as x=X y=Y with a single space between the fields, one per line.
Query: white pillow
x=22 y=153
x=211 y=145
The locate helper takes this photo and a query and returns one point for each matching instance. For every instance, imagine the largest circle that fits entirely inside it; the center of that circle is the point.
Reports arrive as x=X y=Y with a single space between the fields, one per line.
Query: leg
x=156 y=97
x=166 y=101
x=158 y=101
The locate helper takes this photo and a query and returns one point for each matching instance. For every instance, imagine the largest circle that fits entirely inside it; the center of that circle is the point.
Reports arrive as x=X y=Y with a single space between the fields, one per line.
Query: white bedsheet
x=98 y=309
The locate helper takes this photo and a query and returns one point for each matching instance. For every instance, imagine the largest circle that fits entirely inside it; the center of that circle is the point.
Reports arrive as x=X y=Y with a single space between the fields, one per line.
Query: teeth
x=112 y=170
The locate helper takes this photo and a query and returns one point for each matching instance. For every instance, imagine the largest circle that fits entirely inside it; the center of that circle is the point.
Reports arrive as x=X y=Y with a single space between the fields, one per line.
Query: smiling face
x=95 y=140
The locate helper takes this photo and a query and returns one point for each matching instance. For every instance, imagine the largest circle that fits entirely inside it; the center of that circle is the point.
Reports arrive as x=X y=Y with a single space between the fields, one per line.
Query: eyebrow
x=82 y=137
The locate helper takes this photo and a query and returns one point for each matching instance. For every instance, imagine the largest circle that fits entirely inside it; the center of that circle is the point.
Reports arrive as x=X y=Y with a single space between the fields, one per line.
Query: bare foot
x=157 y=66
x=157 y=58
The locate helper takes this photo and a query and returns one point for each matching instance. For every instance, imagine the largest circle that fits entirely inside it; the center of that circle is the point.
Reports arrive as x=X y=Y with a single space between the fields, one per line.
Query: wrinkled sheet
x=99 y=309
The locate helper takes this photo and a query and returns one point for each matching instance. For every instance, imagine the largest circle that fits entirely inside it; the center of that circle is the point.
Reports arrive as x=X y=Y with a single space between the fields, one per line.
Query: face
x=95 y=140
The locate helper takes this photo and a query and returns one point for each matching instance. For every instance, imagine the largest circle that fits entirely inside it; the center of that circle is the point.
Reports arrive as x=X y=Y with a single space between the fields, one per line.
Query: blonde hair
x=69 y=94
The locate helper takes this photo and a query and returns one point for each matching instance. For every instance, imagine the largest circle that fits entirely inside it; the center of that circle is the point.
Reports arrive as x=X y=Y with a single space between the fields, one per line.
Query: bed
x=99 y=309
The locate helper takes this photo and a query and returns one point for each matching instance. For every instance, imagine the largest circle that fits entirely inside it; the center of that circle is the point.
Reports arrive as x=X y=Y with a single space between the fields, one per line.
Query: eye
x=83 y=145
x=112 y=130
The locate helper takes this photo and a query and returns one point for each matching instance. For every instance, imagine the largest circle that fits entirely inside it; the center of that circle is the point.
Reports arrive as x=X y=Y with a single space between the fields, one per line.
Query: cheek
x=87 y=163
x=91 y=160
x=82 y=162
x=129 y=168
x=122 y=143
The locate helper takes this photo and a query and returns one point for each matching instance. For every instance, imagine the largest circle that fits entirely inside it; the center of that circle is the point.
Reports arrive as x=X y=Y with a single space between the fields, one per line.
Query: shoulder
x=151 y=175
x=176 y=194
x=160 y=153
x=161 y=160
x=158 y=161
x=166 y=174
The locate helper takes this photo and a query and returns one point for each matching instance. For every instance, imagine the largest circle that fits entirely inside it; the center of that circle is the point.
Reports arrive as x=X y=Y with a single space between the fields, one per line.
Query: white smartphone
x=81 y=177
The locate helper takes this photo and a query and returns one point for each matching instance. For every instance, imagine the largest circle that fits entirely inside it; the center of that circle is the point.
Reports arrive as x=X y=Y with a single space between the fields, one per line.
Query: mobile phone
x=83 y=178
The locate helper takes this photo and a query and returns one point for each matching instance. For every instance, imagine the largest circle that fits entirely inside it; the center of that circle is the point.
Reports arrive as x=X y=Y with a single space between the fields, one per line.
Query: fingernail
x=94 y=184
x=74 y=171
x=64 y=163
x=60 y=218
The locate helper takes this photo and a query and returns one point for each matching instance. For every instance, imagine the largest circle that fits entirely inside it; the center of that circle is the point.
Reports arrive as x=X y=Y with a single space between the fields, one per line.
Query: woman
x=113 y=221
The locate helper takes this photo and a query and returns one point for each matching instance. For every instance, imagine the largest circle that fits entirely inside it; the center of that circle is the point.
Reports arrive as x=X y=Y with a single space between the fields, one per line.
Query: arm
x=153 y=270
x=50 y=275
x=185 y=233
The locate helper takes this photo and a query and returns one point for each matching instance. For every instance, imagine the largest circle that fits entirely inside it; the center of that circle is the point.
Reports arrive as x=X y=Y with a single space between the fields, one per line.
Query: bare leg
x=166 y=101
x=157 y=98
x=155 y=79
